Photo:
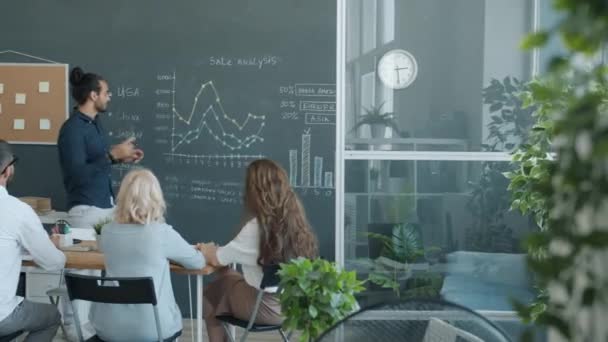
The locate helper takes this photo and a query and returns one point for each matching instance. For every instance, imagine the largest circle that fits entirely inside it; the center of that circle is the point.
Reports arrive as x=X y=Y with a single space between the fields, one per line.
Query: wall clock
x=397 y=69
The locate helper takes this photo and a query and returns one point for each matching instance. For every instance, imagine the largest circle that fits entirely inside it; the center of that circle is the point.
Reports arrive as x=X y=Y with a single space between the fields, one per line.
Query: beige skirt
x=230 y=294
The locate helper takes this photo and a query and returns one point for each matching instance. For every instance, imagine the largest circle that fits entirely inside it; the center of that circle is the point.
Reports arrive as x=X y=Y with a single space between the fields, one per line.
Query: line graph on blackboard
x=208 y=119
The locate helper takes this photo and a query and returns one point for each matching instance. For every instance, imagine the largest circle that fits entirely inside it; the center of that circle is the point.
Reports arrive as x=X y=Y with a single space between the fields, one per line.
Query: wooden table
x=94 y=260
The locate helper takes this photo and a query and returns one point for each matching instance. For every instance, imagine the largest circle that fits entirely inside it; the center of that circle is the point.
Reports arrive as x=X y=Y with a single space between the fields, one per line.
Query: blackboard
x=206 y=87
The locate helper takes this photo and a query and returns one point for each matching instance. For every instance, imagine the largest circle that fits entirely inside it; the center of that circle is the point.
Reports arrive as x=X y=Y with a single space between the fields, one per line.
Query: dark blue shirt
x=85 y=165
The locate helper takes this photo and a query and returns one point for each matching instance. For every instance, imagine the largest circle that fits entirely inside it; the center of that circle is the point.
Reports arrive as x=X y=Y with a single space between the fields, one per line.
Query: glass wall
x=431 y=113
x=409 y=222
x=468 y=69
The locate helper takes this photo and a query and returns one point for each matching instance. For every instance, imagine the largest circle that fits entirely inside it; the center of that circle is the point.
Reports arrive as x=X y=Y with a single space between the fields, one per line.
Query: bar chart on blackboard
x=320 y=178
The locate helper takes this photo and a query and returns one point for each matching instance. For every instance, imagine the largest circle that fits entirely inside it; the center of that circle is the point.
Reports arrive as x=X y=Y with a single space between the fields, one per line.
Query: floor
x=187 y=335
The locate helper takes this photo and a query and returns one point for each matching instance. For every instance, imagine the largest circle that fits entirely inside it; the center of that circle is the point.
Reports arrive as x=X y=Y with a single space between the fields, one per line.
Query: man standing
x=86 y=159
x=85 y=154
x=20 y=228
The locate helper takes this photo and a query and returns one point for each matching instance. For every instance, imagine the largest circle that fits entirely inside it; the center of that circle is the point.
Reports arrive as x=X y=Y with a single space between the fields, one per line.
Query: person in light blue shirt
x=140 y=244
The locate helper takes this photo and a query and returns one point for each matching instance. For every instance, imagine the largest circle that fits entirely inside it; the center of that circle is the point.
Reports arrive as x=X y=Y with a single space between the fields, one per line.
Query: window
x=425 y=206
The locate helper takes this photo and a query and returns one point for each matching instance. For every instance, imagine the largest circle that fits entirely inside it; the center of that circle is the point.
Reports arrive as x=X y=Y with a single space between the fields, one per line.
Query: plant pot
x=98 y=240
x=419 y=266
x=378 y=130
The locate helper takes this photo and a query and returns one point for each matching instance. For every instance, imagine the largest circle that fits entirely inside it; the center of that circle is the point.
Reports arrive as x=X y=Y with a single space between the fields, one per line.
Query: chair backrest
x=21 y=285
x=415 y=320
x=111 y=290
x=271 y=277
x=441 y=331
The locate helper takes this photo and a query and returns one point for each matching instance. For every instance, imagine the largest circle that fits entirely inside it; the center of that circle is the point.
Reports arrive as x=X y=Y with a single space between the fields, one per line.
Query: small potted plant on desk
x=98 y=227
x=378 y=121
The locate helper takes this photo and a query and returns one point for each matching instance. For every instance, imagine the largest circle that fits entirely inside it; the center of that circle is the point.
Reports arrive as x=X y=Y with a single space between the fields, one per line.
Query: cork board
x=33 y=102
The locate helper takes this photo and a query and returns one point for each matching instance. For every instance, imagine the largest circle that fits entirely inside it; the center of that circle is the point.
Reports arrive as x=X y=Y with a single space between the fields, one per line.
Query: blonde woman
x=140 y=244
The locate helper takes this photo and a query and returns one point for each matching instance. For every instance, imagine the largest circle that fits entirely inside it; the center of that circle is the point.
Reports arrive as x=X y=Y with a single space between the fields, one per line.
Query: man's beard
x=101 y=108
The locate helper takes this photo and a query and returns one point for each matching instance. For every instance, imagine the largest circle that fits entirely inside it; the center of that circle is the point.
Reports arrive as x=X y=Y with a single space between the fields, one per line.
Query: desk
x=93 y=260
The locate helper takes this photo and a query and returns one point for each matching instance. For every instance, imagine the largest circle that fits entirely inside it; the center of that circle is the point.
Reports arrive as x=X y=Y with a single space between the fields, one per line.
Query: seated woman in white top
x=140 y=244
x=277 y=232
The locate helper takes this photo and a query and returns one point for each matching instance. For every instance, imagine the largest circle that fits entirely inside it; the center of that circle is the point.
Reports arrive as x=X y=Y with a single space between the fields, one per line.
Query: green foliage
x=532 y=176
x=376 y=116
x=99 y=225
x=402 y=246
x=315 y=295
x=426 y=285
x=530 y=182
x=510 y=125
x=535 y=40
x=531 y=313
x=576 y=194
x=511 y=119
x=386 y=275
x=392 y=268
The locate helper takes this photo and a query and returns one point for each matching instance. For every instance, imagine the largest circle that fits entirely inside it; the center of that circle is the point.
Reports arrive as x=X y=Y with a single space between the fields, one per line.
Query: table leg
x=199 y=308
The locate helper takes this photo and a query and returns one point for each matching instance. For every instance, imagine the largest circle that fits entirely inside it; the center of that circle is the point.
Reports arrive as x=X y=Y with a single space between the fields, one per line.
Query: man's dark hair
x=82 y=84
x=6 y=154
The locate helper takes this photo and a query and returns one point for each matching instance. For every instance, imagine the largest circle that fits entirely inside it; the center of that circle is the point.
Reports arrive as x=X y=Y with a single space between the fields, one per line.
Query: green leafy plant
x=315 y=295
x=402 y=246
x=576 y=236
x=511 y=118
x=509 y=127
x=425 y=285
x=99 y=225
x=376 y=116
x=398 y=250
x=531 y=177
x=533 y=161
x=386 y=276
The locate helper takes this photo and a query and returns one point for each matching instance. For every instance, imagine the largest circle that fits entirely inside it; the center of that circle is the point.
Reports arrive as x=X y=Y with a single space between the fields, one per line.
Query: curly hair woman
x=276 y=231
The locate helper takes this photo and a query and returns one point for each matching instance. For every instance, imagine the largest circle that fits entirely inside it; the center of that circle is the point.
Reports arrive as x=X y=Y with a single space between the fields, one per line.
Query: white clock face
x=397 y=69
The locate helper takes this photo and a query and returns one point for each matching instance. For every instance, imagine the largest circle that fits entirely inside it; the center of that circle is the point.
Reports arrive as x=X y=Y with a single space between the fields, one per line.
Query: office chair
x=118 y=291
x=415 y=320
x=270 y=279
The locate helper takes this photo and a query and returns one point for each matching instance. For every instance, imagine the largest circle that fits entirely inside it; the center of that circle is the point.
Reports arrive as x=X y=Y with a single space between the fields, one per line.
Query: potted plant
x=400 y=255
x=98 y=227
x=315 y=295
x=377 y=120
x=403 y=246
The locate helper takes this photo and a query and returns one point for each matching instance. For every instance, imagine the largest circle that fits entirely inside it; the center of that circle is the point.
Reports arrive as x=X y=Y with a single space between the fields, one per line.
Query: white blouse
x=244 y=250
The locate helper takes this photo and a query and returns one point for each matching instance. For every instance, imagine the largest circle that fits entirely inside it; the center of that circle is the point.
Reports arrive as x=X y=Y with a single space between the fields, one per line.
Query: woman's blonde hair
x=140 y=199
